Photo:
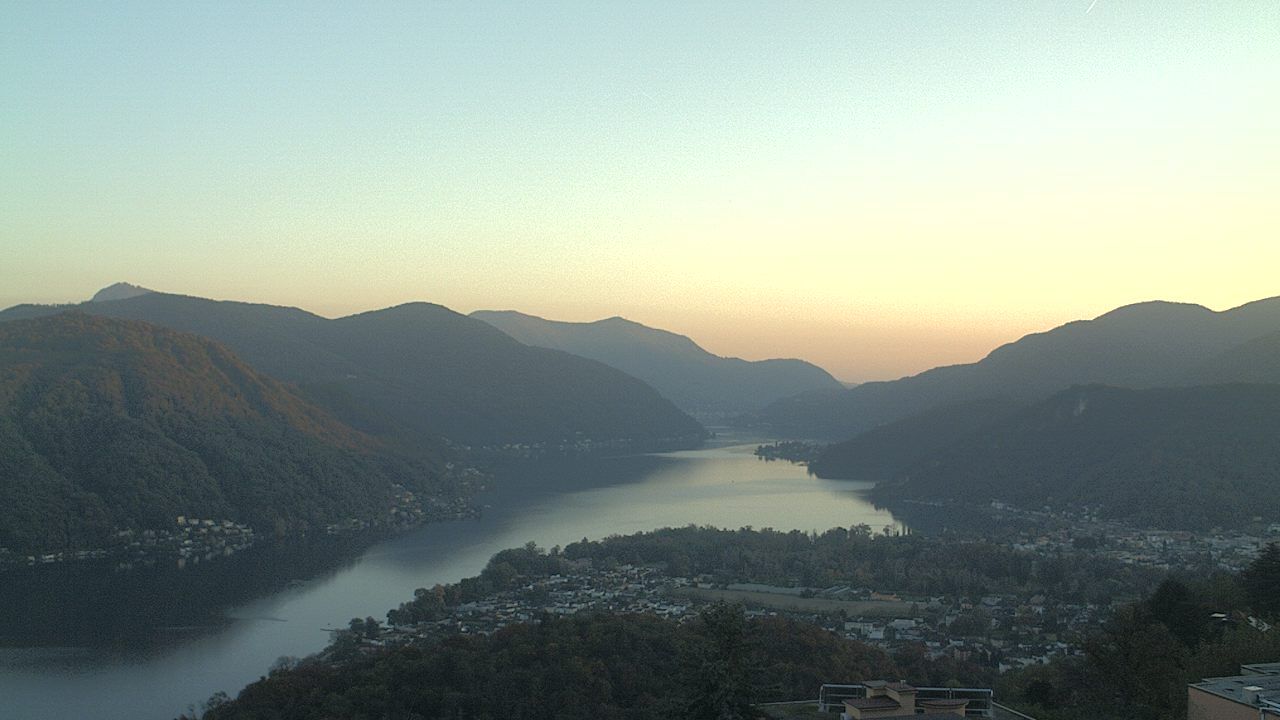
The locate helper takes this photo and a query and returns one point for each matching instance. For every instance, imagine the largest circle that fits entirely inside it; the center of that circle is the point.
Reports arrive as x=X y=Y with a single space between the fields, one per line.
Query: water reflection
x=551 y=504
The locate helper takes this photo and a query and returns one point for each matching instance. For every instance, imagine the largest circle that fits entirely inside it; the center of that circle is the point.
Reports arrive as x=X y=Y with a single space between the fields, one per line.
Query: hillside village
x=996 y=631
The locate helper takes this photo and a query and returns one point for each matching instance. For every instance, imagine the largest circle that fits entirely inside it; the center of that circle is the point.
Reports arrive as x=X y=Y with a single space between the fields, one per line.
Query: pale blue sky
x=878 y=186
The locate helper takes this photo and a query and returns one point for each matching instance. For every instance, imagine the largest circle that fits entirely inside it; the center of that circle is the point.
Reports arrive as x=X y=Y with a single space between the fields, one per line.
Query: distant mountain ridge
x=1145 y=345
x=420 y=371
x=110 y=424
x=119 y=291
x=882 y=453
x=1255 y=361
x=697 y=381
x=1190 y=457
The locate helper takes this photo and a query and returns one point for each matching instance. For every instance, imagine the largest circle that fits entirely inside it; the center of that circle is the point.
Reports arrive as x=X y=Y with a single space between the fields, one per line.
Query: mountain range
x=109 y=424
x=1147 y=345
x=1186 y=457
x=1151 y=411
x=414 y=373
x=697 y=381
x=883 y=452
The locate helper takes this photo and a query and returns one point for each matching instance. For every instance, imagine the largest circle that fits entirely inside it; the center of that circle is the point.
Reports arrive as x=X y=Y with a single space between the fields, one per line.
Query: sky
x=878 y=187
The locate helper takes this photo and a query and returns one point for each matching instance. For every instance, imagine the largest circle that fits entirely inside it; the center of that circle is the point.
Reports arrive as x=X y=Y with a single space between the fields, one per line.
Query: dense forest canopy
x=1138 y=665
x=889 y=450
x=630 y=667
x=110 y=424
x=1193 y=457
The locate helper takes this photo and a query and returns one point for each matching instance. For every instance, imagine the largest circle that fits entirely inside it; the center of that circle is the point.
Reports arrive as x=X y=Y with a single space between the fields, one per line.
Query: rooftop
x=874 y=703
x=1239 y=688
x=808 y=710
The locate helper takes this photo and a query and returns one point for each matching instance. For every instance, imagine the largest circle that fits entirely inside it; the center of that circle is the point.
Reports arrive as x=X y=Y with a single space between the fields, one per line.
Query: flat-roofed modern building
x=1254 y=694
x=885 y=700
x=876 y=699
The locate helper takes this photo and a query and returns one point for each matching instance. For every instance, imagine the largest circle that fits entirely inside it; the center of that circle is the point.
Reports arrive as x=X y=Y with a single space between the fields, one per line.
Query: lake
x=549 y=503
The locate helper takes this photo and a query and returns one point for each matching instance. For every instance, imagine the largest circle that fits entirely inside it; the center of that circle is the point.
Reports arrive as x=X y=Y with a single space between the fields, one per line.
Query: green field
x=777 y=601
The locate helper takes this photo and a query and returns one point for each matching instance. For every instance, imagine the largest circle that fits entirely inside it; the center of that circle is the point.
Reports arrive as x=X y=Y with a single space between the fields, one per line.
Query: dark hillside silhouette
x=421 y=371
x=1151 y=344
x=109 y=424
x=694 y=379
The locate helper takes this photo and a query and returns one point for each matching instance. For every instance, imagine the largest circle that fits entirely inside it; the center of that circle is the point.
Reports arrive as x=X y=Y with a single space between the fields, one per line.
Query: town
x=1000 y=632
x=1059 y=532
x=191 y=540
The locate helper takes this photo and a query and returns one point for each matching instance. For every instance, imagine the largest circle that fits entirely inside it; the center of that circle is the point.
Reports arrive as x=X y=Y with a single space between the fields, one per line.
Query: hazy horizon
x=878 y=188
x=751 y=352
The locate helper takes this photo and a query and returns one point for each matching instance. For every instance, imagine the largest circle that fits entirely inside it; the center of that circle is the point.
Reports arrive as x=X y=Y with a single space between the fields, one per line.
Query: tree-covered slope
x=108 y=424
x=478 y=384
x=884 y=452
x=417 y=371
x=1176 y=457
x=1138 y=346
x=1255 y=361
x=623 y=667
x=694 y=379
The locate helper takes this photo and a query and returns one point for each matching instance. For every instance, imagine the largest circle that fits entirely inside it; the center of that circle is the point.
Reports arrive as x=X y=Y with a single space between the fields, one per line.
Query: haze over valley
x=222 y=450
x=1134 y=414
x=870 y=360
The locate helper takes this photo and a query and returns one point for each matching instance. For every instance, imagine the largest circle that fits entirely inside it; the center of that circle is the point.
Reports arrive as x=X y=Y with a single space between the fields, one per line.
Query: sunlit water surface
x=725 y=487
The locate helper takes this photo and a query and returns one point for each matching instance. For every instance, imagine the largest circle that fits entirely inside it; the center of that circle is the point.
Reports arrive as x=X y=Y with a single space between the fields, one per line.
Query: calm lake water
x=551 y=504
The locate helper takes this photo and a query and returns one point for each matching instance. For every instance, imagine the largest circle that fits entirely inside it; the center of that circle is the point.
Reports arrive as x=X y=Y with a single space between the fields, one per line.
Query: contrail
x=1091 y=6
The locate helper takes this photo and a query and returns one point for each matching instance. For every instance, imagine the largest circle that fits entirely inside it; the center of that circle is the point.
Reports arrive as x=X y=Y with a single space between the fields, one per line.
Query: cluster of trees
x=842 y=556
x=790 y=450
x=585 y=666
x=505 y=571
x=1140 y=662
x=1138 y=666
x=639 y=666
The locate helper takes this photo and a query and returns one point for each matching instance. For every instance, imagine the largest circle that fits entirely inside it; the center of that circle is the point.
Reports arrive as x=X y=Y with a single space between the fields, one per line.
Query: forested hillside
x=586 y=666
x=694 y=379
x=1256 y=361
x=598 y=664
x=419 y=371
x=1154 y=344
x=1177 y=457
x=1138 y=666
x=109 y=424
x=882 y=453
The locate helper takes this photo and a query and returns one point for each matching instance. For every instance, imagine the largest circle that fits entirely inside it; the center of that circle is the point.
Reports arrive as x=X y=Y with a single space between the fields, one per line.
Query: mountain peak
x=119 y=291
x=692 y=377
